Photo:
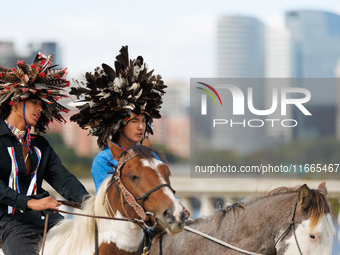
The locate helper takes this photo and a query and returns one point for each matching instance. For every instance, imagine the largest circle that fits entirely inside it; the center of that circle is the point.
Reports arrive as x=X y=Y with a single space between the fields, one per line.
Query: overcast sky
x=176 y=38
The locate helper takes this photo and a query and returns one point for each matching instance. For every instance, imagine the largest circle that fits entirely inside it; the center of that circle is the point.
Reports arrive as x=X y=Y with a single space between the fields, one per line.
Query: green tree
x=79 y=166
x=171 y=158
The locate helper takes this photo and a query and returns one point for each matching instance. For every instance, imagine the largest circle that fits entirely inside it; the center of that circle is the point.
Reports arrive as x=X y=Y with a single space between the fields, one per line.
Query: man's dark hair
x=40 y=127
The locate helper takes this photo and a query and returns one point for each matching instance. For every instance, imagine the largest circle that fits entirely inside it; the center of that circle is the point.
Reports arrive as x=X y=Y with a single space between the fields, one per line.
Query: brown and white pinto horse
x=286 y=221
x=139 y=172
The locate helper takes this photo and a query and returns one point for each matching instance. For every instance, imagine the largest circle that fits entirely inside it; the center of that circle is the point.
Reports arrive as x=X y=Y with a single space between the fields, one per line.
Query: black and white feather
x=110 y=95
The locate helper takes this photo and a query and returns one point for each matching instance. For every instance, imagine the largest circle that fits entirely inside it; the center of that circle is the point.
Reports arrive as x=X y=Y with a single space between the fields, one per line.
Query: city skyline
x=256 y=30
x=177 y=38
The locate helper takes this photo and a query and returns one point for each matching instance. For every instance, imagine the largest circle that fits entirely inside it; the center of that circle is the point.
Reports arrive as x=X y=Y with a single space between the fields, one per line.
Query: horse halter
x=291 y=225
x=129 y=198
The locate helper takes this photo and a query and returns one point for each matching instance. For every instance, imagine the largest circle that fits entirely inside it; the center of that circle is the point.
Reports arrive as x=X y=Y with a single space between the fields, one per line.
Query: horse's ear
x=304 y=196
x=146 y=142
x=323 y=188
x=115 y=150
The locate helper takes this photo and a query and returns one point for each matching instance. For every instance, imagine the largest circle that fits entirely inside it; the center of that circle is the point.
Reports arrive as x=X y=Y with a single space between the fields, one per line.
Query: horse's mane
x=318 y=207
x=145 y=153
x=79 y=232
x=219 y=214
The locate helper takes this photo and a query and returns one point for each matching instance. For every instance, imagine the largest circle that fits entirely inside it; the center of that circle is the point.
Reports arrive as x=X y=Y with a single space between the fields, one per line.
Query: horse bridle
x=291 y=226
x=129 y=198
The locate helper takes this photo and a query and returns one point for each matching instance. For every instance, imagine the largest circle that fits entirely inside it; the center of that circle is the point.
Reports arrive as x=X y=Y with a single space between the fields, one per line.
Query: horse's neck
x=121 y=235
x=261 y=222
x=254 y=228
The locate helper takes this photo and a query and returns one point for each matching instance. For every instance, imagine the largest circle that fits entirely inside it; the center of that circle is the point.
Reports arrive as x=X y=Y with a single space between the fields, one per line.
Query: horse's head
x=144 y=187
x=314 y=230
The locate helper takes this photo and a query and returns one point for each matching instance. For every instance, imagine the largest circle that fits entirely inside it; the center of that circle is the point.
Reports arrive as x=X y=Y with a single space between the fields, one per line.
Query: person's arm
x=43 y=204
x=12 y=198
x=22 y=202
x=65 y=183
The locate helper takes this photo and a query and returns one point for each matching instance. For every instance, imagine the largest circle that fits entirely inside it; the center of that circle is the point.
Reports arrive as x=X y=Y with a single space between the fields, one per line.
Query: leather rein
x=291 y=226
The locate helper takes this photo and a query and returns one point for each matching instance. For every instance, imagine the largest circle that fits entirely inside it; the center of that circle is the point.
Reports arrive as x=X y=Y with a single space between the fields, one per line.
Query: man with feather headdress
x=28 y=98
x=118 y=107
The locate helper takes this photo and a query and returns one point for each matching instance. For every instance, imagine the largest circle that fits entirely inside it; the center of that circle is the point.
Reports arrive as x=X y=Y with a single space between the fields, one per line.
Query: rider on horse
x=28 y=98
x=120 y=107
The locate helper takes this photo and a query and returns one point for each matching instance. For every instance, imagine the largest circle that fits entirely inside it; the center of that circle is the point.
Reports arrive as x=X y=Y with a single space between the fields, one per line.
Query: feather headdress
x=111 y=96
x=38 y=80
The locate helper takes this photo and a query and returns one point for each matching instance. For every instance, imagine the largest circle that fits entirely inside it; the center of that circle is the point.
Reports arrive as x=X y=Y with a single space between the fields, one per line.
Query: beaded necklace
x=18 y=134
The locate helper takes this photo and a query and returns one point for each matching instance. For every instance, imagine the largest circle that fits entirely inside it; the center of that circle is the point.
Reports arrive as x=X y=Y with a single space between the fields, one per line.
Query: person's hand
x=43 y=204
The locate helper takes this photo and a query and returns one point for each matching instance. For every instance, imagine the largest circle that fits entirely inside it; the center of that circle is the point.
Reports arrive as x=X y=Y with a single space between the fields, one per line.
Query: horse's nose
x=168 y=216
x=175 y=225
x=182 y=215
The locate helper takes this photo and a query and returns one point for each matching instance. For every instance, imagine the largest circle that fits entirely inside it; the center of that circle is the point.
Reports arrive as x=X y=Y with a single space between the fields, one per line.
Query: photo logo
x=204 y=97
x=243 y=101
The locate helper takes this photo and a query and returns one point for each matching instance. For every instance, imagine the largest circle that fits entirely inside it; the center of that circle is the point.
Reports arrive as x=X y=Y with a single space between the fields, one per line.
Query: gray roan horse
x=261 y=225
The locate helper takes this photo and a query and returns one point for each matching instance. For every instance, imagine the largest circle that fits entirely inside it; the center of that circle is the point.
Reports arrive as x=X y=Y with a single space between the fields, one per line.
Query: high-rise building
x=173 y=129
x=337 y=73
x=240 y=54
x=176 y=99
x=73 y=136
x=7 y=54
x=316 y=50
x=240 y=47
x=46 y=48
x=278 y=54
x=238 y=134
x=278 y=64
x=316 y=42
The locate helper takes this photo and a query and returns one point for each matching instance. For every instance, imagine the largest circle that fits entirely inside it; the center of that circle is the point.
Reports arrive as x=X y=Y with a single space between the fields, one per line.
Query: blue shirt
x=103 y=166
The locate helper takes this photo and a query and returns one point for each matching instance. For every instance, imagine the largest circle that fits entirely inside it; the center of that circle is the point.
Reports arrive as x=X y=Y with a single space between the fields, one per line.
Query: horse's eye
x=312 y=237
x=133 y=177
